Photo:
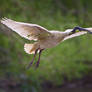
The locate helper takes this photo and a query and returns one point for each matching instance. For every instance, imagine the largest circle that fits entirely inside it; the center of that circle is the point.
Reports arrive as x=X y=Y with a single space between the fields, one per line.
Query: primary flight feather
x=44 y=38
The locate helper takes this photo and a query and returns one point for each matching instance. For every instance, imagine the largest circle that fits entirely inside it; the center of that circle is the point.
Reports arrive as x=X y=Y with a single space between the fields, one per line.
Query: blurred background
x=68 y=65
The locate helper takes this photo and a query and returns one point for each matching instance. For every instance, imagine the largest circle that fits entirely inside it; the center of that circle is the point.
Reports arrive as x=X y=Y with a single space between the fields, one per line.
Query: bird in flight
x=43 y=38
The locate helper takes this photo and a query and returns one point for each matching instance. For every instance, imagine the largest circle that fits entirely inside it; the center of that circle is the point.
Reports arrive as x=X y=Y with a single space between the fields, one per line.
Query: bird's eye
x=77 y=31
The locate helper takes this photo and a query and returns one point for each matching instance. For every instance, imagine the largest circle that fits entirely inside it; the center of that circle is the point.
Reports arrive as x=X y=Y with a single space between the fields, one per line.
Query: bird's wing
x=26 y=30
x=75 y=34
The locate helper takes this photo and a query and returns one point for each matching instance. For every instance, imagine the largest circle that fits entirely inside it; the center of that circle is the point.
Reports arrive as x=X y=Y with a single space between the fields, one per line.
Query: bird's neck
x=61 y=36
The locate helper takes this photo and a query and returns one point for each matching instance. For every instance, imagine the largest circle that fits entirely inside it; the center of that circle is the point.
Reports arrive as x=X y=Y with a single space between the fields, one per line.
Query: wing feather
x=26 y=30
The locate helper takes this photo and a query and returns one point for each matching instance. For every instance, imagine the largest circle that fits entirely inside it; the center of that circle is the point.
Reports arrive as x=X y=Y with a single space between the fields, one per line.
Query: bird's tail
x=76 y=33
x=30 y=48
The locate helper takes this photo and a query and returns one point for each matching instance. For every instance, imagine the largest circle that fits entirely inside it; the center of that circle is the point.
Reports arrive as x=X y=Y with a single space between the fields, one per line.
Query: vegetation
x=71 y=59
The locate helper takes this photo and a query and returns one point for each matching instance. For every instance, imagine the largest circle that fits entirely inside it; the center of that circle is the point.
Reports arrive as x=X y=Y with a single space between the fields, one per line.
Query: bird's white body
x=45 y=39
x=53 y=40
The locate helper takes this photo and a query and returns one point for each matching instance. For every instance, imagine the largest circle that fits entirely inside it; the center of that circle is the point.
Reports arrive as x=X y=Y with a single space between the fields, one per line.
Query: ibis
x=43 y=38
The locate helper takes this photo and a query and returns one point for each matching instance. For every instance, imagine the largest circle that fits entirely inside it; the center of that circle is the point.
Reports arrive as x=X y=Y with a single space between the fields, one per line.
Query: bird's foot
x=37 y=64
x=29 y=65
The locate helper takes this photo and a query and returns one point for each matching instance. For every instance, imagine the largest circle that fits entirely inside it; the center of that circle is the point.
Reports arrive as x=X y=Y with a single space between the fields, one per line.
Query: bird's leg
x=80 y=29
x=37 y=63
x=32 y=59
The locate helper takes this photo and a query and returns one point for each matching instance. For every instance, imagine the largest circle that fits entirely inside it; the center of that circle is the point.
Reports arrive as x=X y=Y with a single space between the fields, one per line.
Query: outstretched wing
x=76 y=34
x=26 y=30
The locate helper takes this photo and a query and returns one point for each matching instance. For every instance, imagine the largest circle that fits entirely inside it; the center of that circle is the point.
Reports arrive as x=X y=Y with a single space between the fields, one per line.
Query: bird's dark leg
x=37 y=63
x=80 y=29
x=30 y=64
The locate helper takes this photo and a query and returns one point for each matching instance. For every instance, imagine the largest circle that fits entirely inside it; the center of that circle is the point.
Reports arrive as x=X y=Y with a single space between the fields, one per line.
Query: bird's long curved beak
x=82 y=29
